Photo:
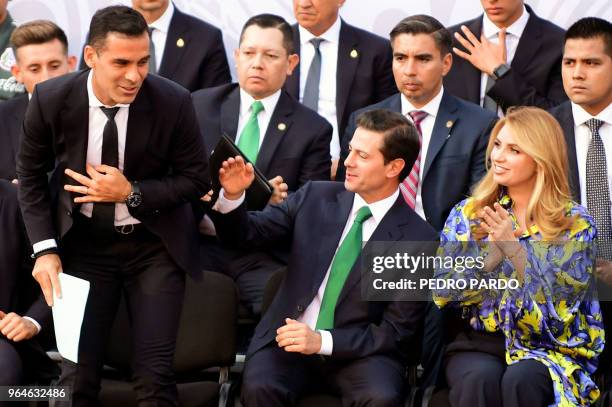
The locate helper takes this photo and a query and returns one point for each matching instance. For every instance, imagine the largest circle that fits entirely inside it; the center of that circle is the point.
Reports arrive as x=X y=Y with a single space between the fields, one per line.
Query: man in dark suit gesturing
x=507 y=57
x=128 y=159
x=318 y=310
x=454 y=136
x=290 y=142
x=184 y=49
x=342 y=68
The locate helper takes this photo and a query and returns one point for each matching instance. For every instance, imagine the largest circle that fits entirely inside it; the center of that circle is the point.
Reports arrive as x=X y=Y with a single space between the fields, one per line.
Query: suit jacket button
x=300 y=308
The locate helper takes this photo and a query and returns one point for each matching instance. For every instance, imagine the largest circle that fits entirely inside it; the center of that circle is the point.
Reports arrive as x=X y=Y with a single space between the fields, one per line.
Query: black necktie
x=311 y=89
x=598 y=191
x=103 y=215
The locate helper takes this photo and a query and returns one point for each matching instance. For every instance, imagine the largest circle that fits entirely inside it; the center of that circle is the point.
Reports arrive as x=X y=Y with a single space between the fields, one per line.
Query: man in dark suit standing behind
x=184 y=49
x=41 y=53
x=287 y=141
x=507 y=57
x=586 y=120
x=126 y=226
x=342 y=68
x=319 y=332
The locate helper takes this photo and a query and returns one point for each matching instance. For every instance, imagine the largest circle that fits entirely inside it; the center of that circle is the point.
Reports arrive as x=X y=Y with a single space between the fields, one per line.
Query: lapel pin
x=449 y=124
x=281 y=126
x=180 y=43
x=354 y=53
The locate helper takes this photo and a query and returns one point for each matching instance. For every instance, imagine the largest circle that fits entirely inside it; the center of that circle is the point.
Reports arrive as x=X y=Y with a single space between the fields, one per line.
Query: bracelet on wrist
x=50 y=250
x=513 y=255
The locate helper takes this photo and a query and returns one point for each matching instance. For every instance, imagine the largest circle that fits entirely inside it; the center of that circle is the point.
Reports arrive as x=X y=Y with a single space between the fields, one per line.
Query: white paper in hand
x=68 y=314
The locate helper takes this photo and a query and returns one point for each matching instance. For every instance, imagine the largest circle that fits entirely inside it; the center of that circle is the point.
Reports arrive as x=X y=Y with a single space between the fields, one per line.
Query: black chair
x=206 y=340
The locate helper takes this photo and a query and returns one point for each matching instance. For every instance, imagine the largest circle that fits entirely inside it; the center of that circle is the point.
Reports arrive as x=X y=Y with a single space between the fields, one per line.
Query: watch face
x=134 y=200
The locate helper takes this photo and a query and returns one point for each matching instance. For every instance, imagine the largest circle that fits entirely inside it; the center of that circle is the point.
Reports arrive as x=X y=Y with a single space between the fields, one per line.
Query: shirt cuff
x=44 y=245
x=224 y=205
x=36 y=324
x=327 y=343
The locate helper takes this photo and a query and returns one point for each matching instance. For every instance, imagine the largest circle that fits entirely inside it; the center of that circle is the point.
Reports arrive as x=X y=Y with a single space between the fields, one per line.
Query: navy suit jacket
x=535 y=77
x=12 y=113
x=296 y=143
x=455 y=158
x=163 y=152
x=563 y=114
x=313 y=220
x=363 y=74
x=194 y=55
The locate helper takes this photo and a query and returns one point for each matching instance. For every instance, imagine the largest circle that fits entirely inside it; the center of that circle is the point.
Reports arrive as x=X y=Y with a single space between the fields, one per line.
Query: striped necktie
x=410 y=185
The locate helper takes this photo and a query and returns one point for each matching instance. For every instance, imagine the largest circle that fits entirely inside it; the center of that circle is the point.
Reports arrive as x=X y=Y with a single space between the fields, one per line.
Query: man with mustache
x=128 y=159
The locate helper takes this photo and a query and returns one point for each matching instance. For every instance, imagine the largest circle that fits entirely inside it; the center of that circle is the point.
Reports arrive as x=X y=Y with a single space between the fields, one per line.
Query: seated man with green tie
x=288 y=142
x=319 y=333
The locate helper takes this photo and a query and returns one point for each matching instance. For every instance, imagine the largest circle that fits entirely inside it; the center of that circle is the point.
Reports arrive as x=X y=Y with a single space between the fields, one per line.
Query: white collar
x=490 y=30
x=581 y=115
x=331 y=35
x=431 y=108
x=93 y=99
x=163 y=22
x=379 y=208
x=269 y=102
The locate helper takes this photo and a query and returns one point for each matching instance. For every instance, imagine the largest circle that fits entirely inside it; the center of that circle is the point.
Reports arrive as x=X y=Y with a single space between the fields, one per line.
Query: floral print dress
x=552 y=317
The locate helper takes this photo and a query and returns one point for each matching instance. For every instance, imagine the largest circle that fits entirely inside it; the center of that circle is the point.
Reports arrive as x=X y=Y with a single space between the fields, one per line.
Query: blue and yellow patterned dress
x=552 y=317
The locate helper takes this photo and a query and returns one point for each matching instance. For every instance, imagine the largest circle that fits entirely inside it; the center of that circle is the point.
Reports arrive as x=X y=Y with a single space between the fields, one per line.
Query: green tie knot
x=256 y=107
x=363 y=214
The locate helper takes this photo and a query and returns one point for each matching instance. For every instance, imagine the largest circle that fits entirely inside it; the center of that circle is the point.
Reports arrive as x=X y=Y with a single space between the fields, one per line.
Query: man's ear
x=89 y=54
x=16 y=71
x=294 y=59
x=71 y=63
x=394 y=167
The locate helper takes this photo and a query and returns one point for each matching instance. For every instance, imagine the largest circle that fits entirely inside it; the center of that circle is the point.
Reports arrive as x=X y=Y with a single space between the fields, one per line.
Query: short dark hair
x=401 y=139
x=272 y=21
x=119 y=19
x=37 y=32
x=424 y=24
x=592 y=27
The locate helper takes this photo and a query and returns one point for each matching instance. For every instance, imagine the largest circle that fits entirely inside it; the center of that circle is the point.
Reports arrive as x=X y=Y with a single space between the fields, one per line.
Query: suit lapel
x=348 y=59
x=230 y=108
x=75 y=124
x=445 y=121
x=390 y=229
x=529 y=43
x=471 y=75
x=292 y=84
x=279 y=125
x=335 y=214
x=173 y=53
x=566 y=119
x=140 y=122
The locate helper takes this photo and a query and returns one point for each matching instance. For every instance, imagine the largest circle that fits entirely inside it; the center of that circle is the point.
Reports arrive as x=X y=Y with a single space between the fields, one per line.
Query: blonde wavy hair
x=539 y=136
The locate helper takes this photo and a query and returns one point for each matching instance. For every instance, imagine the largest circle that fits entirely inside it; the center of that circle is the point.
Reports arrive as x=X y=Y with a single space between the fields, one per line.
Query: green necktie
x=341 y=266
x=249 y=138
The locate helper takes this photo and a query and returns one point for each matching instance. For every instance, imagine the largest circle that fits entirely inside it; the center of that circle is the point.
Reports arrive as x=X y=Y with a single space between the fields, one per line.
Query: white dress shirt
x=583 y=137
x=513 y=36
x=161 y=26
x=427 y=126
x=327 y=83
x=97 y=121
x=263 y=118
x=379 y=209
